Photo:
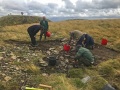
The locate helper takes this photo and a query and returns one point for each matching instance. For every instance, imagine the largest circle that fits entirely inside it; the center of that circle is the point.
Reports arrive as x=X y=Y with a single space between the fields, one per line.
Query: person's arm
x=69 y=42
x=78 y=54
x=87 y=40
x=47 y=25
x=41 y=22
x=80 y=41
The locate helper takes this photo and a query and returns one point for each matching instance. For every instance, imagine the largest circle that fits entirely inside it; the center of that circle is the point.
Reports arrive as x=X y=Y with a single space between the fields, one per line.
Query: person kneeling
x=84 y=56
x=86 y=41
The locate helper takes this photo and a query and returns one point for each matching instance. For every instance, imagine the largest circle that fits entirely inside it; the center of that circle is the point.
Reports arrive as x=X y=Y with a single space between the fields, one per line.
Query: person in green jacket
x=84 y=56
x=45 y=25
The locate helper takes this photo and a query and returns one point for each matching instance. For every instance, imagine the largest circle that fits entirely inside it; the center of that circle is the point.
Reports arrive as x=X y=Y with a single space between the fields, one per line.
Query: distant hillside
x=18 y=19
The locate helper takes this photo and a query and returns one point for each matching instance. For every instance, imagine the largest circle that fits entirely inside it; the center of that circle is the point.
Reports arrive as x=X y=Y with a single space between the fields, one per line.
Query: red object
x=48 y=34
x=66 y=47
x=104 y=41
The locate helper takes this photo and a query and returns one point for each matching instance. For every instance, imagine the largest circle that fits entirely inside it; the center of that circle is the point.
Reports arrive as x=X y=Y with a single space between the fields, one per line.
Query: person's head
x=78 y=47
x=71 y=35
x=44 y=17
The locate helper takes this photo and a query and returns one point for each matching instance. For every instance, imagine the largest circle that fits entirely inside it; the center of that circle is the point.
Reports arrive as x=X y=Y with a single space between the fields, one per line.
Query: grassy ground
x=106 y=72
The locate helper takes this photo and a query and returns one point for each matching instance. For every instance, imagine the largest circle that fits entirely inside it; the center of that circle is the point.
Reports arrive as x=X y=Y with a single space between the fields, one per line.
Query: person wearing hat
x=75 y=35
x=32 y=31
x=45 y=25
x=86 y=41
x=84 y=56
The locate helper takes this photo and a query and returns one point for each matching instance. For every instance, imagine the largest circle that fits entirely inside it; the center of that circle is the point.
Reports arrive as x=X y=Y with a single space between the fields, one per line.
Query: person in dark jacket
x=86 y=41
x=45 y=25
x=32 y=31
x=84 y=56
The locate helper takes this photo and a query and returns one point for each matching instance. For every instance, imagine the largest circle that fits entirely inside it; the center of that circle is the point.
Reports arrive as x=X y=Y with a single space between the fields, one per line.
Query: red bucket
x=104 y=41
x=66 y=47
x=48 y=34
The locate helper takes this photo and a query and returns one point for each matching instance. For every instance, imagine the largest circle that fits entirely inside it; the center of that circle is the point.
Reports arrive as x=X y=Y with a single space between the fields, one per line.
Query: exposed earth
x=48 y=48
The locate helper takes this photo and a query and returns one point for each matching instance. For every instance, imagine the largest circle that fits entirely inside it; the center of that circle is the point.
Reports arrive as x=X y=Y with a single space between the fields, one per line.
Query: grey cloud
x=68 y=4
x=52 y=5
x=46 y=9
x=97 y=4
x=34 y=5
x=13 y=5
x=83 y=5
x=107 y=4
x=82 y=8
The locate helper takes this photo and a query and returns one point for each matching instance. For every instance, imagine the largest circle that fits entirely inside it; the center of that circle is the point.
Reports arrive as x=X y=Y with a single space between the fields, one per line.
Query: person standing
x=45 y=25
x=32 y=31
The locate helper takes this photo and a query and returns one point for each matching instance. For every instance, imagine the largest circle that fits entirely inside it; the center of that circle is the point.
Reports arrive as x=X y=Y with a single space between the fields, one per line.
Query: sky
x=61 y=9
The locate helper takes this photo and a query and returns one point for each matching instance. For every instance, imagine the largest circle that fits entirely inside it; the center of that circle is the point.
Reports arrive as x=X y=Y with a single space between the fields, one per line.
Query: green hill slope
x=20 y=62
x=18 y=19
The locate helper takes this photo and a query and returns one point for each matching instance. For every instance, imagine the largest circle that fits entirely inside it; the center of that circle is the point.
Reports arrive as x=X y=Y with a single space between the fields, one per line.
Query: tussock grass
x=106 y=72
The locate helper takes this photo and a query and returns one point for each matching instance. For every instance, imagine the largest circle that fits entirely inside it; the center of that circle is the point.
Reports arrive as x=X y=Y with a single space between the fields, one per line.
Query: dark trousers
x=43 y=32
x=32 y=37
x=84 y=61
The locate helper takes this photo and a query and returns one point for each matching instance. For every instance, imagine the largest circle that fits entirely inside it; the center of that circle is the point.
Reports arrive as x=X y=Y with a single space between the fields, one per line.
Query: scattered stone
x=13 y=57
x=44 y=64
x=1 y=58
x=44 y=74
x=70 y=66
x=56 y=52
x=22 y=81
x=61 y=58
x=85 y=79
x=51 y=49
x=3 y=74
x=62 y=63
x=67 y=55
x=60 y=47
x=64 y=39
x=7 y=78
x=66 y=61
x=48 y=52
x=2 y=52
x=11 y=54
x=17 y=68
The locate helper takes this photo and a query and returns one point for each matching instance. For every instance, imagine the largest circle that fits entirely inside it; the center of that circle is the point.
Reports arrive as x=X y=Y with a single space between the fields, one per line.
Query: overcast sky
x=62 y=8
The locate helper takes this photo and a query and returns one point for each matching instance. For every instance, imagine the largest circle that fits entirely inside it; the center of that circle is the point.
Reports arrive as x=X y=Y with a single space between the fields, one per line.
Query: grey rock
x=1 y=58
x=61 y=58
x=62 y=63
x=7 y=78
x=48 y=52
x=64 y=39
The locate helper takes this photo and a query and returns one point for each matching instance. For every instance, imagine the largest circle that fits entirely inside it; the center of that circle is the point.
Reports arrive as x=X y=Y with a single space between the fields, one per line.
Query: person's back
x=34 y=29
x=84 y=56
x=76 y=34
x=86 y=41
x=86 y=53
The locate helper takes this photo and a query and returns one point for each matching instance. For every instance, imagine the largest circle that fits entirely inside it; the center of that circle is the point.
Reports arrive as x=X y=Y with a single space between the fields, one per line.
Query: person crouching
x=86 y=41
x=84 y=56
